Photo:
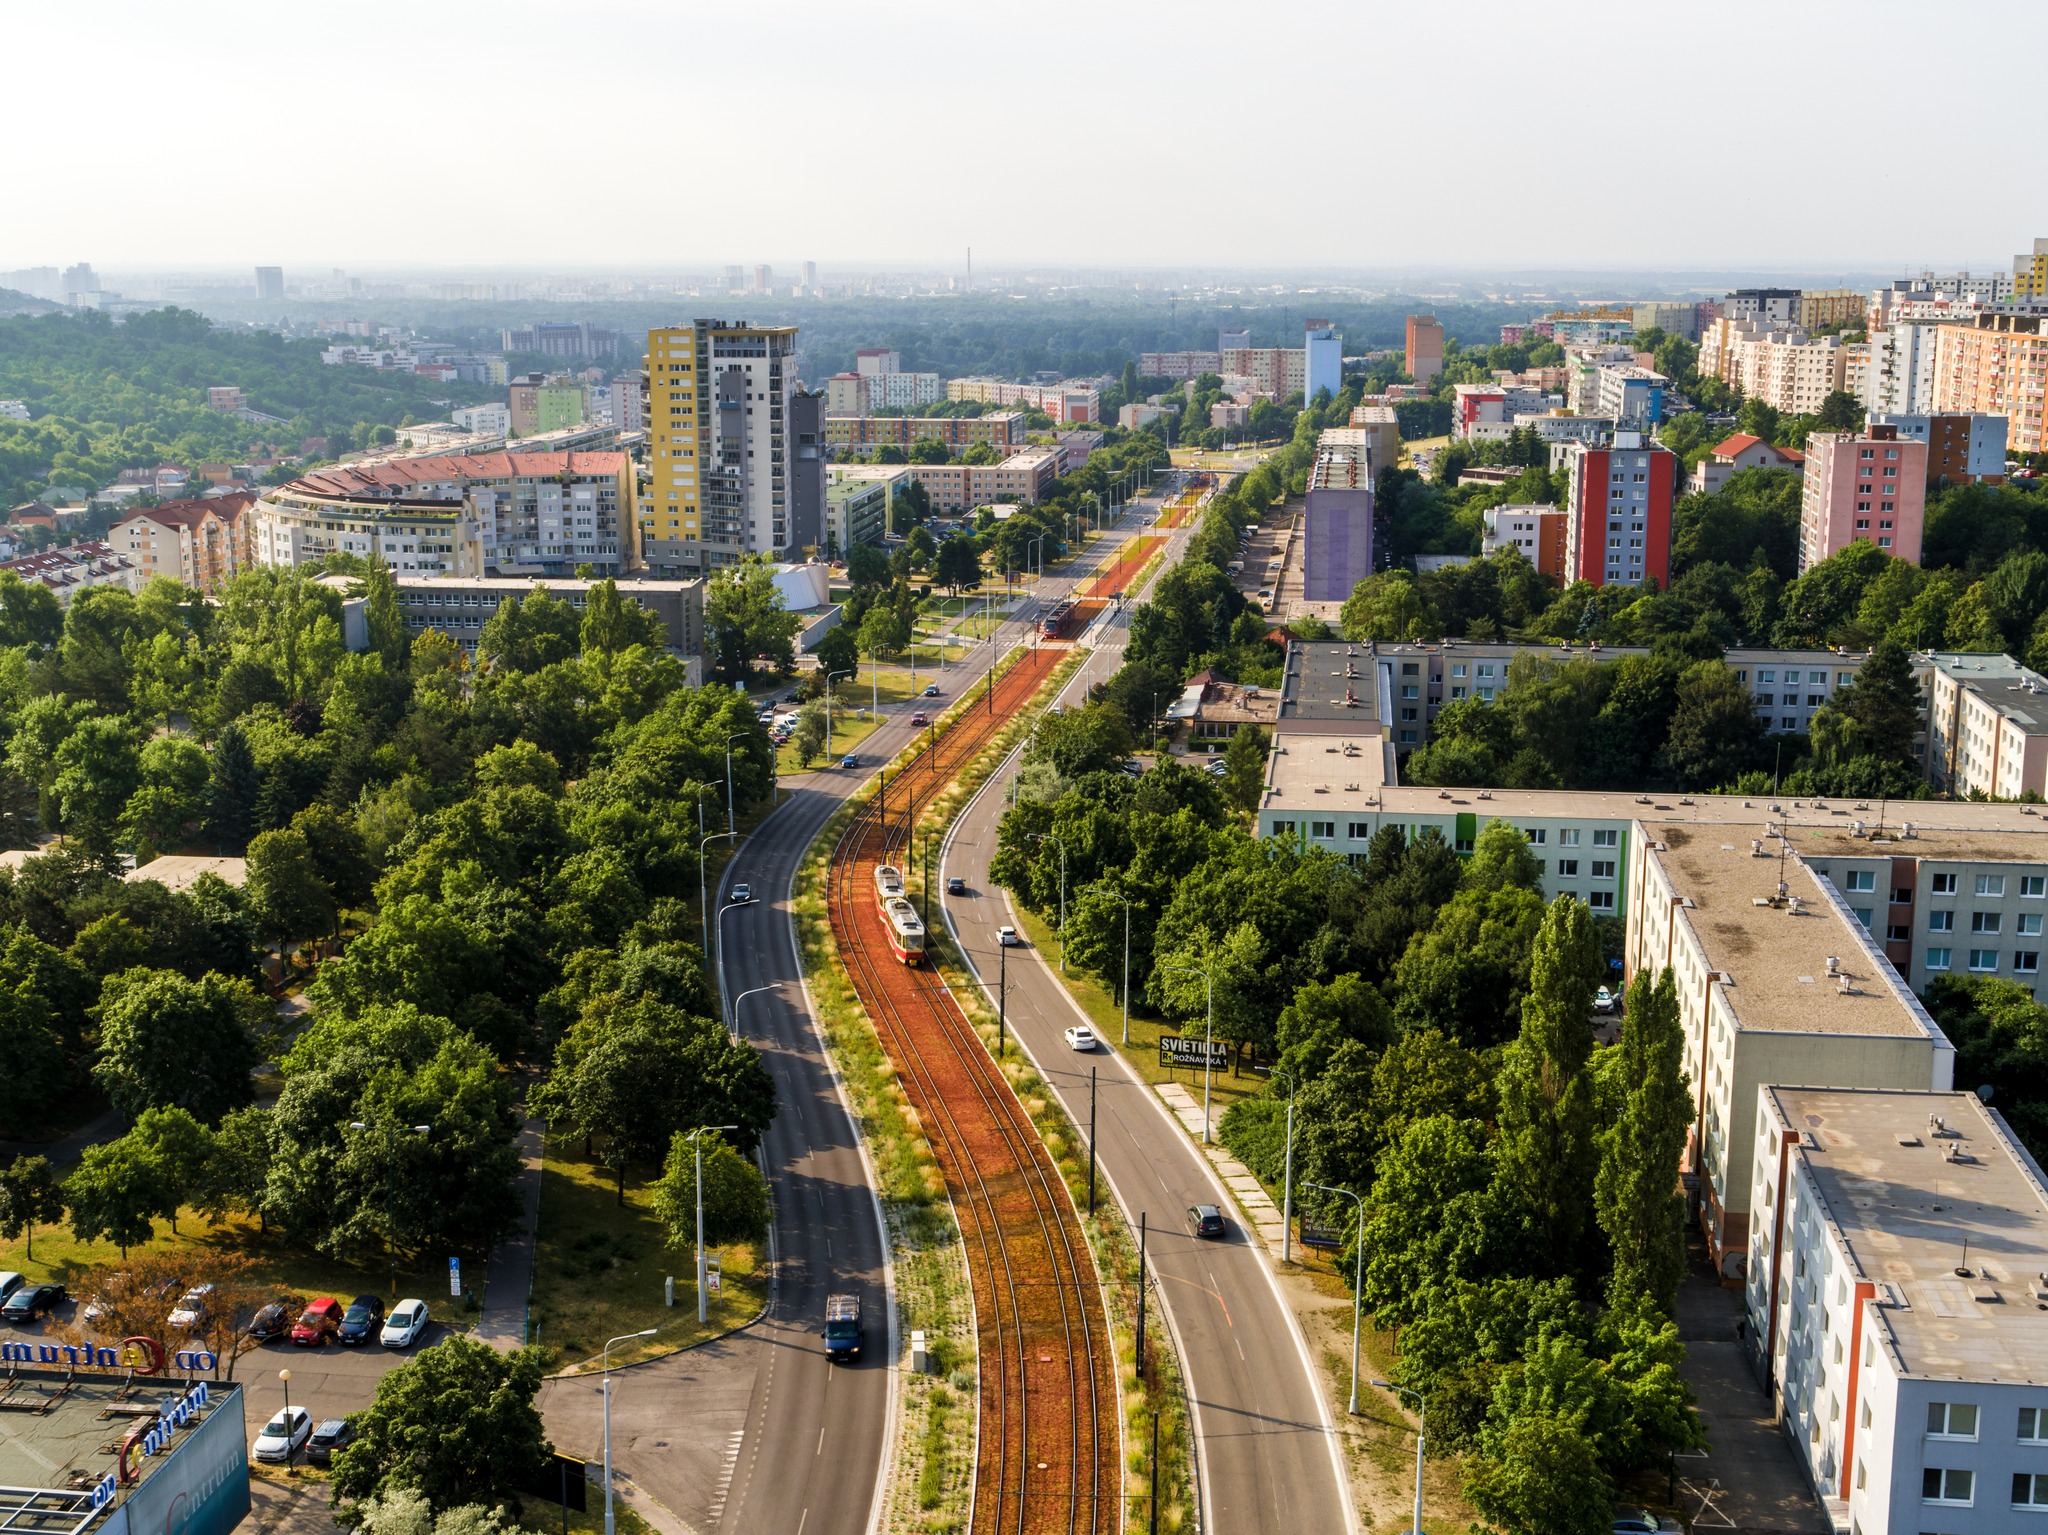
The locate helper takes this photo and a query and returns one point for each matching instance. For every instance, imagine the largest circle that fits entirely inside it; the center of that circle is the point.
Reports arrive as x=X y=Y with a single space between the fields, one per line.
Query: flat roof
x=1331 y=680
x=2018 y=693
x=1903 y=1213
x=1325 y=773
x=59 y=1432
x=179 y=871
x=1806 y=817
x=1778 y=956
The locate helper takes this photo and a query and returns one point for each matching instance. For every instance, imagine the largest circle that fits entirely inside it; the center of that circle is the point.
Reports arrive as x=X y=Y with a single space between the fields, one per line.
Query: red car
x=318 y=1323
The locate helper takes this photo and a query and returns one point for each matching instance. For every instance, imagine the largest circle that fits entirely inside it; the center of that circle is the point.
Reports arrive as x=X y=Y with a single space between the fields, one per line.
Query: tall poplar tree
x=1636 y=1193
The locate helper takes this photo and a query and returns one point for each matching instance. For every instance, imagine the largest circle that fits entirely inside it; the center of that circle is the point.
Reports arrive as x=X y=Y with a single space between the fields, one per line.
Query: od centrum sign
x=1176 y=1050
x=136 y=1356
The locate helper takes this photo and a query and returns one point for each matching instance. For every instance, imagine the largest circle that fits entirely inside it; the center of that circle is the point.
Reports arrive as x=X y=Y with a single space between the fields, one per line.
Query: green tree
x=96 y=774
x=1244 y=767
x=1538 y=1474
x=287 y=896
x=613 y=622
x=882 y=632
x=166 y=1041
x=744 y=618
x=1548 y=1153
x=929 y=450
x=1635 y=1194
x=170 y=795
x=232 y=788
x=1716 y=735
x=30 y=1196
x=237 y=1167
x=456 y=1423
x=181 y=1146
x=1840 y=412
x=1501 y=860
x=529 y=634
x=735 y=1194
x=383 y=617
x=866 y=567
x=116 y=1192
x=809 y=738
x=958 y=563
x=1464 y=974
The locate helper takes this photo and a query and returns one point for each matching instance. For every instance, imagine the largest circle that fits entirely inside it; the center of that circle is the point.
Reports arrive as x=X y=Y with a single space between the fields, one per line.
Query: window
x=1950 y=1486
x=1863 y=915
x=1410 y=690
x=1568 y=837
x=1458 y=670
x=1944 y=884
x=1941 y=922
x=1984 y=922
x=1322 y=828
x=2034 y=1425
x=1603 y=868
x=2026 y=961
x=1606 y=838
x=1536 y=834
x=1862 y=881
x=1767 y=699
x=2032 y=885
x=1898 y=932
x=1937 y=959
x=1283 y=828
x=2029 y=1490
x=1991 y=884
x=1601 y=900
x=2029 y=924
x=1983 y=959
x=1902 y=895
x=1568 y=868
x=1766 y=676
x=1411 y=668
x=1359 y=831
x=1952 y=1420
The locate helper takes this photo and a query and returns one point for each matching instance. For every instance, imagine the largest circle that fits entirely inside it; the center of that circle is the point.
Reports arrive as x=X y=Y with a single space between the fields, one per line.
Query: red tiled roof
x=1739 y=443
x=189 y=512
x=401 y=474
x=1792 y=453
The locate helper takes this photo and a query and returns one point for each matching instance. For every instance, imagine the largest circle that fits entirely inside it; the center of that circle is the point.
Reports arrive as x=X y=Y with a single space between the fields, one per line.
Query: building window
x=1984 y=922
x=1567 y=868
x=1950 y=1486
x=1898 y=932
x=1902 y=895
x=1359 y=831
x=1568 y=837
x=1952 y=1420
x=1608 y=838
x=1410 y=690
x=2031 y=886
x=1601 y=900
x=1536 y=834
x=2026 y=962
x=1283 y=828
x=2029 y=1490
x=1863 y=915
x=1983 y=960
x=1937 y=959
x=2034 y=1425
x=2029 y=924
x=1862 y=881
x=1603 y=868
x=1944 y=884
x=1991 y=884
x=1322 y=828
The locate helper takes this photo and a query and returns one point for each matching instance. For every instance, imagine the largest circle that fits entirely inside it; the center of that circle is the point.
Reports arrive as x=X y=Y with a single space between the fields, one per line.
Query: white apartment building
x=1582 y=374
x=494 y=420
x=1897 y=1297
x=904 y=391
x=1987 y=726
x=1626 y=392
x=1900 y=379
x=1780 y=365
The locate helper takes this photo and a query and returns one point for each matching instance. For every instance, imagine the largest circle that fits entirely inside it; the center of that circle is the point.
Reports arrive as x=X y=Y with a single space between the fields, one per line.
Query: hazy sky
x=1289 y=133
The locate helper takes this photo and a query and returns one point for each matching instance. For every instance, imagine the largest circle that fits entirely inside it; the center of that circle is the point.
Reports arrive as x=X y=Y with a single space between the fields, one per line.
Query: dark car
x=363 y=1320
x=30 y=1301
x=328 y=1437
x=275 y=1319
x=1205 y=1221
x=955 y=885
x=317 y=1322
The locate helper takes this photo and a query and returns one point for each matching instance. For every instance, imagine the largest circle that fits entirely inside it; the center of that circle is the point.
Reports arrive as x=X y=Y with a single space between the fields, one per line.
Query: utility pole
x=1140 y=1353
x=1091 y=1140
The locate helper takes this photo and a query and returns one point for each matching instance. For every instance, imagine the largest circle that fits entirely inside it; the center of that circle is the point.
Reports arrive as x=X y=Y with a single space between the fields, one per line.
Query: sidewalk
x=1251 y=1194
x=509 y=1279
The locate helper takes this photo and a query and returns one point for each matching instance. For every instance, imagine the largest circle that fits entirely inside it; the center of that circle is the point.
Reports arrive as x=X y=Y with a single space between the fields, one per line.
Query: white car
x=1080 y=1037
x=192 y=1309
x=1603 y=1001
x=742 y=894
x=403 y=1326
x=10 y=1282
x=284 y=1435
x=1007 y=937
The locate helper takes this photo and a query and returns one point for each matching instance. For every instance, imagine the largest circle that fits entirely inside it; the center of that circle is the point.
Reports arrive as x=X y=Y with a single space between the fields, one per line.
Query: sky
x=1291 y=134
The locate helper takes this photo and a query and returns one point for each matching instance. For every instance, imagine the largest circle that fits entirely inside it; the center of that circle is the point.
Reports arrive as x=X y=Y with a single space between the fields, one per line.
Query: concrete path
x=1250 y=1194
x=509 y=1278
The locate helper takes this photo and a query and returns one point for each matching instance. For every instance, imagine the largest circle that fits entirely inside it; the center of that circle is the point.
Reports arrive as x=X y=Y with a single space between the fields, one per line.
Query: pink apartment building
x=1870 y=484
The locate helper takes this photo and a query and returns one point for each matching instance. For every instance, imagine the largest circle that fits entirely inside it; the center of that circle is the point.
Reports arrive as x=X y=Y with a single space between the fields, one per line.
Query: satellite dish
x=1984 y=1093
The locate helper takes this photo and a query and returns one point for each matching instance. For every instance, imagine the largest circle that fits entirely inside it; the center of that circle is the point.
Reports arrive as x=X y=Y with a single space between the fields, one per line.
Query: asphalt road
x=757 y=1433
x=1268 y=1451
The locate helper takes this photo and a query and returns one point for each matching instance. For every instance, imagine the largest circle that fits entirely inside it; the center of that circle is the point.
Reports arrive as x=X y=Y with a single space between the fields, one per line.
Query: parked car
x=955 y=885
x=331 y=1435
x=932 y=691
x=1640 y=1521
x=1080 y=1037
x=919 y=718
x=742 y=894
x=363 y=1320
x=30 y=1301
x=1131 y=767
x=317 y=1323
x=1007 y=937
x=1205 y=1221
x=403 y=1327
x=1603 y=1001
x=275 y=1319
x=284 y=1435
x=192 y=1309
x=9 y=1283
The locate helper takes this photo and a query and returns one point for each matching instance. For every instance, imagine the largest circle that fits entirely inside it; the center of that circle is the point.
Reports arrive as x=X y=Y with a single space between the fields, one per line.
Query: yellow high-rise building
x=2030 y=273
x=678 y=430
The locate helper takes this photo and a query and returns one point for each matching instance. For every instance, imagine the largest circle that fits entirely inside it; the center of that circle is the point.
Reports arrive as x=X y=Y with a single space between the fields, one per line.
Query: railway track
x=1048 y=1455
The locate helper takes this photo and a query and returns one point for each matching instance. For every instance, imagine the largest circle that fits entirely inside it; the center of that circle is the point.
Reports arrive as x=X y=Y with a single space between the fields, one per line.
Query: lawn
x=599 y=1267
x=854 y=697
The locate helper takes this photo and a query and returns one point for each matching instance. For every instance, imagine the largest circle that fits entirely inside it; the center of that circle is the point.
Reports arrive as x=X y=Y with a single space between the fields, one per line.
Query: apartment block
x=1423 y=357
x=1538 y=531
x=1673 y=319
x=1895 y=1300
x=75 y=568
x=1731 y=455
x=626 y=396
x=1774 y=306
x=902 y=391
x=1996 y=366
x=999 y=429
x=1619 y=500
x=1781 y=365
x=198 y=543
x=1337 y=514
x=1987 y=726
x=1023 y=479
x=1831 y=306
x=1900 y=378
x=1862 y=485
x=1322 y=360
x=1179 y=366
x=1478 y=405
x=1628 y=393
x=488 y=420
x=1384 y=429
x=1075 y=401
x=857 y=504
x=2030 y=272
x=1591 y=327
x=459 y=606
x=736 y=447
x=1961 y=450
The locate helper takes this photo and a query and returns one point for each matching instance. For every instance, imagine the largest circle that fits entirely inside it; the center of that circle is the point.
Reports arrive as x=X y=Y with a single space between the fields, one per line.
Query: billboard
x=1178 y=1050
x=202 y=1486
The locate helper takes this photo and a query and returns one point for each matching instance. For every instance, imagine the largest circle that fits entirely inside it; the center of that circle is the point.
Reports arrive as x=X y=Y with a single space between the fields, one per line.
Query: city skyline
x=1755 y=141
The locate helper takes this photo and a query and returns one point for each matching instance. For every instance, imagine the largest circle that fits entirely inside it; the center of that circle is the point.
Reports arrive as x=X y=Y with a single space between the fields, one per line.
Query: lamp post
x=703 y=897
x=703 y=1302
x=285 y=1376
x=828 y=710
x=731 y=1015
x=1046 y=836
x=621 y=1338
x=1287 y=1178
x=390 y=1187
x=1127 y=954
x=736 y=1001
x=729 y=823
x=1358 y=1279
x=1208 y=1038
x=1421 y=1427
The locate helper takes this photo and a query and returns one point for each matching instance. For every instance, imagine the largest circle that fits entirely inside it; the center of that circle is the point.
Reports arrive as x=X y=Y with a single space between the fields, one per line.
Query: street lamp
x=621 y=1338
x=703 y=1304
x=703 y=898
x=728 y=776
x=390 y=1188
x=828 y=709
x=1046 y=836
x=1287 y=1178
x=286 y=1377
x=1208 y=1039
x=1127 y=953
x=1421 y=1424
x=734 y=1031
x=731 y=1021
x=1357 y=1285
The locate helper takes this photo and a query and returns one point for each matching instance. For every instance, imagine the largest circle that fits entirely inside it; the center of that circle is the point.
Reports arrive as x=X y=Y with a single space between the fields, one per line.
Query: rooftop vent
x=1834 y=965
x=1756 y=847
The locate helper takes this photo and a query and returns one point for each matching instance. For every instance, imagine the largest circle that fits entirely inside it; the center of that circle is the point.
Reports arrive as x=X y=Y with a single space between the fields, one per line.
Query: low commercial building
x=1987 y=726
x=1212 y=709
x=1731 y=455
x=459 y=606
x=1897 y=1309
x=1869 y=485
x=201 y=543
